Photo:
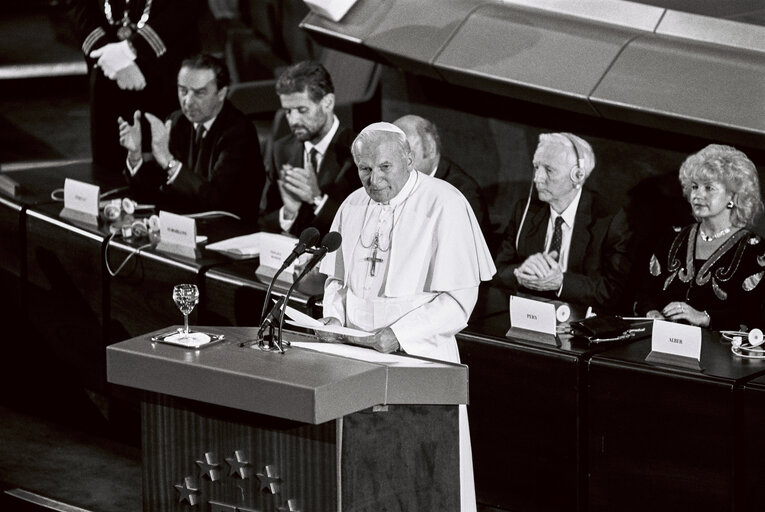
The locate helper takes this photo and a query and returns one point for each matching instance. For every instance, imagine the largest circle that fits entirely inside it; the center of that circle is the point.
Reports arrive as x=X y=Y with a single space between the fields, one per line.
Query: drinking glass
x=186 y=297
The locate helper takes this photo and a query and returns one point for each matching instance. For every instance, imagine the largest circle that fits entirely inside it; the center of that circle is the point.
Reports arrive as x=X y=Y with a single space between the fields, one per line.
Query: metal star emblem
x=270 y=480
x=239 y=466
x=210 y=468
x=189 y=491
x=291 y=506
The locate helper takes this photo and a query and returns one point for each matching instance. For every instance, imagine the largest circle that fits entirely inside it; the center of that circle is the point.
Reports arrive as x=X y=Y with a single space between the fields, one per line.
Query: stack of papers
x=302 y=320
x=240 y=247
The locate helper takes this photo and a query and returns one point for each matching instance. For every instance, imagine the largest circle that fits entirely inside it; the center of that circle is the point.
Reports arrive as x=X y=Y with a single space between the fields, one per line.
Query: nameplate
x=274 y=249
x=532 y=315
x=9 y=186
x=332 y=9
x=177 y=235
x=675 y=344
x=80 y=201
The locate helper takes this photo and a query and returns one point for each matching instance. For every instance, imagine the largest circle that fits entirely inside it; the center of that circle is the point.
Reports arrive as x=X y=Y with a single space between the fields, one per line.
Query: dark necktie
x=312 y=158
x=198 y=136
x=557 y=237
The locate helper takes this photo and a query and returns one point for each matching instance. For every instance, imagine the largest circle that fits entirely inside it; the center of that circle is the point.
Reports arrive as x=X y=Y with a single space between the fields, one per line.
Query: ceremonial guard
x=133 y=49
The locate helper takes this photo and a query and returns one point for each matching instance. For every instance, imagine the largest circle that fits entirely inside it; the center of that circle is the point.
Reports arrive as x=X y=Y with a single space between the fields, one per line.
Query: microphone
x=308 y=237
x=330 y=243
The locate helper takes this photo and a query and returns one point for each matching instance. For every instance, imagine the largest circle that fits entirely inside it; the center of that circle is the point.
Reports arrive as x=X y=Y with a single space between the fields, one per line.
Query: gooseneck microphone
x=308 y=237
x=330 y=243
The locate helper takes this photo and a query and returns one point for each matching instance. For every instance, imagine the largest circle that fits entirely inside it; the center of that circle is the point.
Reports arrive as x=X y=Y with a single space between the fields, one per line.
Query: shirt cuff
x=319 y=203
x=133 y=170
x=284 y=223
x=174 y=173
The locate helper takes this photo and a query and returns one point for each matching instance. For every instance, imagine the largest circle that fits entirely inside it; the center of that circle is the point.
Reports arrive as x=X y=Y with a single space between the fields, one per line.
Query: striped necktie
x=557 y=237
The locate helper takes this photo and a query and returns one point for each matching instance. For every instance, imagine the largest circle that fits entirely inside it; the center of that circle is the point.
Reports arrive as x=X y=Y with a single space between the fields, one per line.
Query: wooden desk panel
x=750 y=446
x=64 y=262
x=662 y=438
x=11 y=237
x=236 y=294
x=524 y=417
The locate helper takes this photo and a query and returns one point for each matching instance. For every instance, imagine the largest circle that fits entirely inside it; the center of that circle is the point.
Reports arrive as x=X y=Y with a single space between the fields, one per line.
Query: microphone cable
x=133 y=252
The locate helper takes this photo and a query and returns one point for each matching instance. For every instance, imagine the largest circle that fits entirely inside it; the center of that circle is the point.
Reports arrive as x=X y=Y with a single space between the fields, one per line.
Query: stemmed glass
x=186 y=297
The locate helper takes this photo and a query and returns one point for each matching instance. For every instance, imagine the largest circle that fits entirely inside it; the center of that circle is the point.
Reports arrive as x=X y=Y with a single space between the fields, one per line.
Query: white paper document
x=362 y=354
x=246 y=246
x=302 y=320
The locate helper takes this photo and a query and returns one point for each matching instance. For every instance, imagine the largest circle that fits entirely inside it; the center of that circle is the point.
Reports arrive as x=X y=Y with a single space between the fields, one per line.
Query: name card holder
x=80 y=202
x=332 y=9
x=274 y=249
x=9 y=186
x=533 y=320
x=178 y=235
x=675 y=344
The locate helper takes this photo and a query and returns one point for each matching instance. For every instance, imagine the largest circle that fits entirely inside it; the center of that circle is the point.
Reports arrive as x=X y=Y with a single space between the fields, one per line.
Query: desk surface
x=301 y=384
x=717 y=361
x=36 y=184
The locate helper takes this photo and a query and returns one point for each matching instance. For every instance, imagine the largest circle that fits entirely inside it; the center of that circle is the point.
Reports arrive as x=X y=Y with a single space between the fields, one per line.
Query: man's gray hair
x=577 y=146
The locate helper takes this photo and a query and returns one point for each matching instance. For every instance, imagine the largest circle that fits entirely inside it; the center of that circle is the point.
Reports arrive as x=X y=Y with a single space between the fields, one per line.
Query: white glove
x=113 y=57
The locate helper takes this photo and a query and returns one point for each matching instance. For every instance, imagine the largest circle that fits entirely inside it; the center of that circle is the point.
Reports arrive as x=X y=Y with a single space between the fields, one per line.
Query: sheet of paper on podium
x=363 y=354
x=302 y=320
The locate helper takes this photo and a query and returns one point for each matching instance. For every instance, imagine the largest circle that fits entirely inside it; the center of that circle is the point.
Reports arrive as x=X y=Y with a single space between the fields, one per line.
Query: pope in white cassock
x=410 y=263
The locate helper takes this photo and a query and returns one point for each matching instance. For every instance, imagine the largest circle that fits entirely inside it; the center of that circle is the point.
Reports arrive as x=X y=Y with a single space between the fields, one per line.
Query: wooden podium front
x=229 y=428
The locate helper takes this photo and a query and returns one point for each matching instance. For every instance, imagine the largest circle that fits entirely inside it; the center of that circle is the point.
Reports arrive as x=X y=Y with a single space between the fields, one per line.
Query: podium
x=230 y=427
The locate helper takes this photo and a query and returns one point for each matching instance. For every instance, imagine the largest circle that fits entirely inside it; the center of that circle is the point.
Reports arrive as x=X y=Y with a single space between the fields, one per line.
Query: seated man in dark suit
x=426 y=149
x=311 y=170
x=205 y=157
x=562 y=244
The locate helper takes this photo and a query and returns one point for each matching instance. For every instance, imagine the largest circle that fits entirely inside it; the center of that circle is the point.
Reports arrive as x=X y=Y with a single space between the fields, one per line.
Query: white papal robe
x=429 y=261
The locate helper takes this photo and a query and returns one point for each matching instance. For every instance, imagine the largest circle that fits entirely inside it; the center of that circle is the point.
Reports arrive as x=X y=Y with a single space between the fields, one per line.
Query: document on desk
x=363 y=354
x=302 y=320
x=240 y=247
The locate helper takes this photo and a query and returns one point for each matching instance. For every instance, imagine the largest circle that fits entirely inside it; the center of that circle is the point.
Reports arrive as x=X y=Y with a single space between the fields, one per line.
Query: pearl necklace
x=715 y=236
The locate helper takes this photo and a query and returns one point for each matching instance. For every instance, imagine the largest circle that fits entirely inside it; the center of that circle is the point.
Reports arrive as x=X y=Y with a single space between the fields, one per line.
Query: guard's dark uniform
x=162 y=32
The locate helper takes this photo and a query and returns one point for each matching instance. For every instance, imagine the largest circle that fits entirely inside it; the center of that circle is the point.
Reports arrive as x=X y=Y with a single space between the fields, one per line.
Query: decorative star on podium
x=270 y=480
x=189 y=491
x=210 y=468
x=290 y=507
x=239 y=466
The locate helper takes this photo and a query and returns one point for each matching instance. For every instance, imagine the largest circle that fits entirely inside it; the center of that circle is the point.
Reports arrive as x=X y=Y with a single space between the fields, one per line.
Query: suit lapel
x=535 y=228
x=580 y=237
x=330 y=165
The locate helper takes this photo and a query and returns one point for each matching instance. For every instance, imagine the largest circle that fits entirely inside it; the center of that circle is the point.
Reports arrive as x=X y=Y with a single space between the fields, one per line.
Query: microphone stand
x=330 y=243
x=307 y=238
x=278 y=312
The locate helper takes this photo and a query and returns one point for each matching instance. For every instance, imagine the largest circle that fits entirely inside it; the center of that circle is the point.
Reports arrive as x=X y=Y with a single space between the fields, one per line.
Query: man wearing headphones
x=562 y=244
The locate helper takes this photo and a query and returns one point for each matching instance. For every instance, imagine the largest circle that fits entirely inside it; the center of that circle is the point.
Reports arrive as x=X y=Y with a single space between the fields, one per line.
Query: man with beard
x=311 y=170
x=205 y=157
x=564 y=244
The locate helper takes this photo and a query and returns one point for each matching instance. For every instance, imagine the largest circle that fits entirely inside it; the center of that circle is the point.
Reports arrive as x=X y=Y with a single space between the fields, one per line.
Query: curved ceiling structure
x=644 y=64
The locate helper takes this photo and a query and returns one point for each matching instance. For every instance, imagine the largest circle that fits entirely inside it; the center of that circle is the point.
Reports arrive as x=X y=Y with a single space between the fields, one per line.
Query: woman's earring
x=730 y=204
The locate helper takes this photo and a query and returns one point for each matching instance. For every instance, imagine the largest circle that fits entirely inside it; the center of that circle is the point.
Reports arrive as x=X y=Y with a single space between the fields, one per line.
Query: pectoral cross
x=374 y=259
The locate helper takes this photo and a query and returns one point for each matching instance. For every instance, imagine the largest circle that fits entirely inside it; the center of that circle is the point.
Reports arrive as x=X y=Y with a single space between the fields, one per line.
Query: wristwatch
x=318 y=200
